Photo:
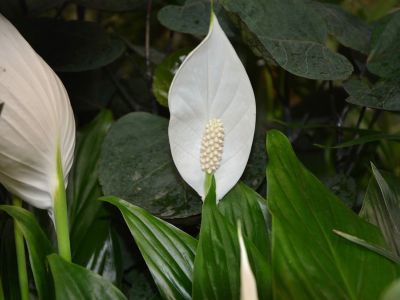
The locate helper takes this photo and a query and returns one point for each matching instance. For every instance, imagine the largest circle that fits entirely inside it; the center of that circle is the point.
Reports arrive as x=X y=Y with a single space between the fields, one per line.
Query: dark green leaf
x=217 y=263
x=349 y=30
x=12 y=9
x=384 y=59
x=310 y=261
x=383 y=95
x=344 y=187
x=164 y=73
x=293 y=34
x=168 y=252
x=91 y=239
x=39 y=247
x=75 y=46
x=193 y=17
x=113 y=5
x=382 y=207
x=136 y=165
x=245 y=205
x=73 y=282
x=368 y=138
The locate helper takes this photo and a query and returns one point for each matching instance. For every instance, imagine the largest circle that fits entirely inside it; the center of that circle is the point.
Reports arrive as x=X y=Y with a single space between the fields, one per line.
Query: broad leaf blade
x=168 y=252
x=245 y=205
x=310 y=261
x=72 y=282
x=39 y=247
x=381 y=207
x=293 y=34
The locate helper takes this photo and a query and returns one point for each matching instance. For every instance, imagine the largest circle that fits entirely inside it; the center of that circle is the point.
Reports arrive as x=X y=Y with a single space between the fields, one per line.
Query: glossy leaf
x=310 y=261
x=211 y=84
x=293 y=34
x=164 y=73
x=89 y=225
x=383 y=59
x=38 y=246
x=168 y=252
x=381 y=207
x=384 y=94
x=217 y=263
x=136 y=165
x=246 y=206
x=42 y=126
x=72 y=282
x=75 y=45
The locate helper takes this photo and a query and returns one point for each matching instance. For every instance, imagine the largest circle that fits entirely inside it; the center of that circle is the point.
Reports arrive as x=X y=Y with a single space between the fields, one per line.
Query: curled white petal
x=211 y=84
x=248 y=286
x=36 y=120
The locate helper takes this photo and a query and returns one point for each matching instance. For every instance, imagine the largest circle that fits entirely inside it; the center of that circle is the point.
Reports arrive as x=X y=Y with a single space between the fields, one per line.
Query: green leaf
x=381 y=207
x=245 y=205
x=293 y=34
x=383 y=95
x=164 y=73
x=168 y=252
x=39 y=247
x=310 y=261
x=368 y=138
x=75 y=46
x=384 y=59
x=392 y=292
x=217 y=263
x=72 y=282
x=349 y=30
x=136 y=165
x=192 y=17
x=91 y=238
x=113 y=5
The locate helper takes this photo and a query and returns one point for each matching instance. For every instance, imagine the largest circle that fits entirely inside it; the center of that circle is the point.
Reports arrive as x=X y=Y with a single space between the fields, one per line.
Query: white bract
x=36 y=122
x=248 y=286
x=211 y=91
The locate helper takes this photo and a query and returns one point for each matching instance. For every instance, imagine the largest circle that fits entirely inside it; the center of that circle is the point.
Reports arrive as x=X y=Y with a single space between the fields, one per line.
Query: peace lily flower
x=248 y=286
x=212 y=109
x=37 y=126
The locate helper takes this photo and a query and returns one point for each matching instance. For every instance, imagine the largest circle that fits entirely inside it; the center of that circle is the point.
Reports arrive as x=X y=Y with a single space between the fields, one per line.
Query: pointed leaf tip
x=211 y=84
x=36 y=121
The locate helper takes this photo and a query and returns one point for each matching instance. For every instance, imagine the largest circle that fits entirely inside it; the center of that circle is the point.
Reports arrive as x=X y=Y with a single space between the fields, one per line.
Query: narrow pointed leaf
x=381 y=207
x=310 y=261
x=72 y=282
x=211 y=83
x=36 y=121
x=39 y=247
x=168 y=252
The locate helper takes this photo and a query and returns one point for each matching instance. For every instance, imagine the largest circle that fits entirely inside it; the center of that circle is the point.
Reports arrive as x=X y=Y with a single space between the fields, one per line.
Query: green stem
x=207 y=183
x=21 y=259
x=61 y=214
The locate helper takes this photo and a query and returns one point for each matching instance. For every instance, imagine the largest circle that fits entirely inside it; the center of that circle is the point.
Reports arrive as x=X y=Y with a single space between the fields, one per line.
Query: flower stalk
x=20 y=252
x=61 y=213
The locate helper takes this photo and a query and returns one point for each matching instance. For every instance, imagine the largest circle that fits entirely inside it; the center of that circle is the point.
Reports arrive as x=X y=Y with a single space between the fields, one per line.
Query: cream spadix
x=36 y=123
x=211 y=90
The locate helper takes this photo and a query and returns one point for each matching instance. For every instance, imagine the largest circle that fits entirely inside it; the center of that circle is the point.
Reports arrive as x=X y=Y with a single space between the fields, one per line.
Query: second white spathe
x=36 y=121
x=211 y=84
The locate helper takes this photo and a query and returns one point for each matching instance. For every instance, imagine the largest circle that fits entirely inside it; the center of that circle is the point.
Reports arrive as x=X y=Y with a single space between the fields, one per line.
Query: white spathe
x=211 y=84
x=36 y=120
x=248 y=286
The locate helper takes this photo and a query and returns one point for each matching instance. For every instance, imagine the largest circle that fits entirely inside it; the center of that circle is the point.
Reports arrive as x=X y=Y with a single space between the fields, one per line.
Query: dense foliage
x=318 y=202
